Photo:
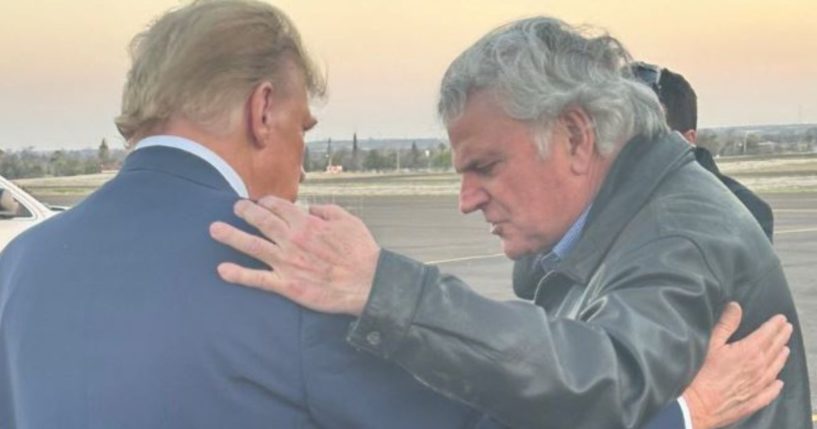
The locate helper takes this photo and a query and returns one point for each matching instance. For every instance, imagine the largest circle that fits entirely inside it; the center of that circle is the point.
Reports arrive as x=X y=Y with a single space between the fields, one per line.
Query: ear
x=691 y=136
x=581 y=139
x=259 y=106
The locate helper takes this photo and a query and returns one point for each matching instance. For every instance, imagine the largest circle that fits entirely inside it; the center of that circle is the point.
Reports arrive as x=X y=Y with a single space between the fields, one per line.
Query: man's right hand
x=738 y=378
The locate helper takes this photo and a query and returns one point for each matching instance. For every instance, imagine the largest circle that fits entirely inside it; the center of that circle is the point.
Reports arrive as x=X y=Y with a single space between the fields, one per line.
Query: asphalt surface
x=432 y=230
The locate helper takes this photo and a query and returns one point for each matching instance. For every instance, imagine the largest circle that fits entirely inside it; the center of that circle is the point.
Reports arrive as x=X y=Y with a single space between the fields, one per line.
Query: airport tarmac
x=431 y=229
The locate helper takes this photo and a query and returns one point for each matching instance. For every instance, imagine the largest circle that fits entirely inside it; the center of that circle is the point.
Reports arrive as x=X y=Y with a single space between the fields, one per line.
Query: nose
x=472 y=196
x=303 y=175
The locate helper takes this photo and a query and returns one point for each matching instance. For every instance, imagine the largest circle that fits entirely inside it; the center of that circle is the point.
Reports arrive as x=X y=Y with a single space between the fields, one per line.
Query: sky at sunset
x=62 y=63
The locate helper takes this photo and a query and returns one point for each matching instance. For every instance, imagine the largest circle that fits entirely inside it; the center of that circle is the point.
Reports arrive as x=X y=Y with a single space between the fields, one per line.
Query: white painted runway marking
x=795 y=231
x=795 y=210
x=467 y=258
x=496 y=255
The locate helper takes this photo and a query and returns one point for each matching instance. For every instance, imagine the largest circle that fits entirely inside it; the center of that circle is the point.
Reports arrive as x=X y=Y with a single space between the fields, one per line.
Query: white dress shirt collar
x=202 y=152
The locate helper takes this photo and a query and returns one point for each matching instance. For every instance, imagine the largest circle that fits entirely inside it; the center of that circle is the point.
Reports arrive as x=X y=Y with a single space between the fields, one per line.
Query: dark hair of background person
x=680 y=101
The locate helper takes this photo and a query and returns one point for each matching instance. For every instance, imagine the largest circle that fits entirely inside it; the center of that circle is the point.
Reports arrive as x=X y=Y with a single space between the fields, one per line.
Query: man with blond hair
x=112 y=313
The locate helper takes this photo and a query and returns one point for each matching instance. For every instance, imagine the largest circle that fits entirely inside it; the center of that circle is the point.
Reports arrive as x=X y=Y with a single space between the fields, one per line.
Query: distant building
x=766 y=147
x=334 y=169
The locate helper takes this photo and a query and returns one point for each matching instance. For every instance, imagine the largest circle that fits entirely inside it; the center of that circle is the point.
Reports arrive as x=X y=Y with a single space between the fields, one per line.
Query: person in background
x=681 y=108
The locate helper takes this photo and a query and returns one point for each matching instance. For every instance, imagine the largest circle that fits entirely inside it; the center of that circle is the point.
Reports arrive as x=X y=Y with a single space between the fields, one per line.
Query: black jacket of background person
x=759 y=209
x=621 y=325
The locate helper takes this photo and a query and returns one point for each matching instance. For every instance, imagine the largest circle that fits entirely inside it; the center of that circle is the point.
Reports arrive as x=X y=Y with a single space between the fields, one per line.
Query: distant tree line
x=759 y=140
x=383 y=159
x=28 y=162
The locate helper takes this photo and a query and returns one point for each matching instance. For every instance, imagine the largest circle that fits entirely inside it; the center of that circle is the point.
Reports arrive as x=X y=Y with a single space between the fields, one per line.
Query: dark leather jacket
x=621 y=325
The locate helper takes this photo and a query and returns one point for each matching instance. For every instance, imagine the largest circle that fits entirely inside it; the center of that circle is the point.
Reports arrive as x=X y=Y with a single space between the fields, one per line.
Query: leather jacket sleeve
x=616 y=351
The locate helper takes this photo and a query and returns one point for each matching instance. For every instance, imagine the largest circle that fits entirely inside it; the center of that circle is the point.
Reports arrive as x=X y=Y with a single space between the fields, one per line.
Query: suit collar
x=201 y=151
x=704 y=157
x=178 y=163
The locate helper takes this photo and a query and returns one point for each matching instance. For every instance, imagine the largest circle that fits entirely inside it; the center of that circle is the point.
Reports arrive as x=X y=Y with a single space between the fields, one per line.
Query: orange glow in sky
x=62 y=64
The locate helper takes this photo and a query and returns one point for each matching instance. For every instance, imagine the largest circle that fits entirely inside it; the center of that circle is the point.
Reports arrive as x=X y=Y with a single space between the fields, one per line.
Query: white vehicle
x=18 y=211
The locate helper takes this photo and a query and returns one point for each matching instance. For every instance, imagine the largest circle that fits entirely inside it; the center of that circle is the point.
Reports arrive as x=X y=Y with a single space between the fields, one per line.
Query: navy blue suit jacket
x=669 y=417
x=112 y=315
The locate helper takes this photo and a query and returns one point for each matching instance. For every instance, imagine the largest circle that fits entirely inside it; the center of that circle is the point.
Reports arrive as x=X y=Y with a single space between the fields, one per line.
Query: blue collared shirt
x=565 y=245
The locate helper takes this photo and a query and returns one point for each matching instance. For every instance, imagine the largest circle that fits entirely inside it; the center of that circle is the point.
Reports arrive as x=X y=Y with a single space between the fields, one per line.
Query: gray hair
x=204 y=59
x=538 y=67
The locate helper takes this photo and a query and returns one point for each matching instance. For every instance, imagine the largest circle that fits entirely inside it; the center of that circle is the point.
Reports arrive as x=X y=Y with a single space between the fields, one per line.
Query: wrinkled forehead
x=483 y=114
x=484 y=131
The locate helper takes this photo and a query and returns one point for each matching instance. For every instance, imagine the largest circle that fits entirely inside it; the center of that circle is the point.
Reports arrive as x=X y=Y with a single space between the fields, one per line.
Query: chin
x=289 y=196
x=512 y=252
x=516 y=251
x=276 y=191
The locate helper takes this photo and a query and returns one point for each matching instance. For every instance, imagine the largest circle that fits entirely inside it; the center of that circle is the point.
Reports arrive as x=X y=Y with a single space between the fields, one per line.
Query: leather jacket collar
x=634 y=176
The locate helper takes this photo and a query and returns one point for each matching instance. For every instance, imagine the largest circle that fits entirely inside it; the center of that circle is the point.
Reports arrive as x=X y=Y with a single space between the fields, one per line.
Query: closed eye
x=486 y=169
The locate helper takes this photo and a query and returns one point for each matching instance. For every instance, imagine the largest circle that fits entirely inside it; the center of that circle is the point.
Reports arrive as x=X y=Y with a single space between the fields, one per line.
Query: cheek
x=517 y=194
x=297 y=147
x=531 y=208
x=301 y=156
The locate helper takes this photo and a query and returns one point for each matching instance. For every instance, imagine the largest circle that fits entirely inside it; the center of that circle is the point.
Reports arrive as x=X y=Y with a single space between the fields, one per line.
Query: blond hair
x=203 y=60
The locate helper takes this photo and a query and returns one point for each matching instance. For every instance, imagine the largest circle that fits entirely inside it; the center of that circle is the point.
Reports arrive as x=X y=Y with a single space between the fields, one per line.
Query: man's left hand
x=324 y=259
x=738 y=378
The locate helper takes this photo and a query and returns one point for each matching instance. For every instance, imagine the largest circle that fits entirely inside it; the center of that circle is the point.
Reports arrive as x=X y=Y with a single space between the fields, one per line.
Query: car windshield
x=10 y=207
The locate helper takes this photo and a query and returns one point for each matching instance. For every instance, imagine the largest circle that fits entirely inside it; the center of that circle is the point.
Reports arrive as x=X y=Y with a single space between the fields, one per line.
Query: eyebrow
x=476 y=163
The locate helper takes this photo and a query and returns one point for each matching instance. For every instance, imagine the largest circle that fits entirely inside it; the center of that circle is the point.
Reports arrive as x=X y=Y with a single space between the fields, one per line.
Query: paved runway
x=432 y=230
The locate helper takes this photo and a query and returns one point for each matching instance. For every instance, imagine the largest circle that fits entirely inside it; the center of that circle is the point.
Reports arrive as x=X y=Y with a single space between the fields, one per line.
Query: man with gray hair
x=574 y=168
